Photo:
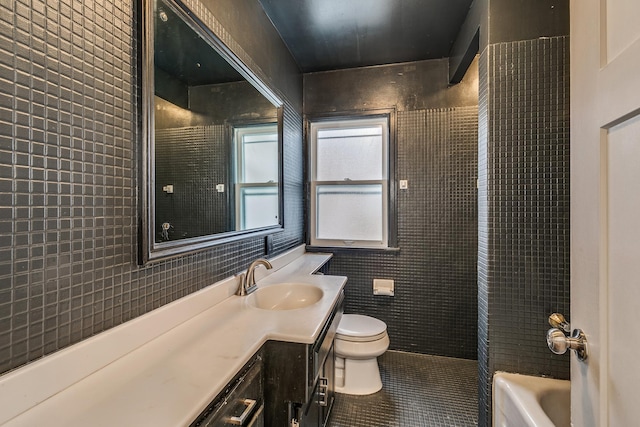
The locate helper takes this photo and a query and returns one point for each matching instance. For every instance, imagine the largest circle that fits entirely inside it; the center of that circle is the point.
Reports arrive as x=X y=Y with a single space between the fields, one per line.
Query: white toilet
x=359 y=341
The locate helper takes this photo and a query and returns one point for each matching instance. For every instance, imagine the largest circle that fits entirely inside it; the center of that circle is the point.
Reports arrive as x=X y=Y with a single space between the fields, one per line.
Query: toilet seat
x=361 y=339
x=361 y=349
x=359 y=328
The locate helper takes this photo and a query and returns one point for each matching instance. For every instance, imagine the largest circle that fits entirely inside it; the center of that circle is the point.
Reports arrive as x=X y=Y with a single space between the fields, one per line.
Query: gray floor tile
x=418 y=390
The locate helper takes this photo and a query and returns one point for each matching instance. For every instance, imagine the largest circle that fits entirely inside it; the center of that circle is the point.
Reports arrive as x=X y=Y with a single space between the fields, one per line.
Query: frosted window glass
x=354 y=154
x=349 y=212
x=262 y=137
x=261 y=162
x=259 y=207
x=352 y=131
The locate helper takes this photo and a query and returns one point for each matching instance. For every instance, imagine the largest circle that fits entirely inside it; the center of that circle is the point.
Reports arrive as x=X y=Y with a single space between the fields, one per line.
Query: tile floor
x=418 y=391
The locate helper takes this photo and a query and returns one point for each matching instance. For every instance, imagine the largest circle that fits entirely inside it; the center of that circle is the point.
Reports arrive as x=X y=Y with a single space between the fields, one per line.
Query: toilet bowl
x=359 y=341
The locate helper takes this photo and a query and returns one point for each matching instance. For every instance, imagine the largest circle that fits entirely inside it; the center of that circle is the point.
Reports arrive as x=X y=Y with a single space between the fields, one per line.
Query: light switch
x=404 y=184
x=220 y=188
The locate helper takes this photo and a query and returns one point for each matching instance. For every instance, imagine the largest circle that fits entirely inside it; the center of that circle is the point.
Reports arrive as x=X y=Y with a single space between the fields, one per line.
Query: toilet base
x=359 y=376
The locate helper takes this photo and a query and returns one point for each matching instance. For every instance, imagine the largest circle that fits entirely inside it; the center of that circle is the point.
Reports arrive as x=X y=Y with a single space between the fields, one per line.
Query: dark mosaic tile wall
x=523 y=267
x=434 y=310
x=67 y=180
x=194 y=160
x=484 y=395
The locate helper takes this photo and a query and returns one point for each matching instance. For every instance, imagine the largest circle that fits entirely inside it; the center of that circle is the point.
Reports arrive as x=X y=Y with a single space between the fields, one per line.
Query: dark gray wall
x=496 y=21
x=434 y=309
x=523 y=203
x=467 y=43
x=513 y=20
x=231 y=102
x=253 y=33
x=194 y=160
x=408 y=86
x=68 y=144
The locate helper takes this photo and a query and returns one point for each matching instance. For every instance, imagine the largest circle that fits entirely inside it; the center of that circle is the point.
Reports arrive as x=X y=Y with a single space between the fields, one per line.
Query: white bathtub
x=527 y=401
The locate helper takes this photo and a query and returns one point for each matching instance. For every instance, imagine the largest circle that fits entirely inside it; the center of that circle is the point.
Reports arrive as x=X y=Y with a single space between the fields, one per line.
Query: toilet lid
x=357 y=325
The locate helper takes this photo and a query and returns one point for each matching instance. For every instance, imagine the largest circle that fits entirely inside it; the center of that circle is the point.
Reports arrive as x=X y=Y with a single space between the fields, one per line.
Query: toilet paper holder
x=383 y=287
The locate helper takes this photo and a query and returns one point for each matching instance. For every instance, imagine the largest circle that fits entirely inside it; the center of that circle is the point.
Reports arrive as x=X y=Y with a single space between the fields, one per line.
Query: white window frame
x=345 y=123
x=238 y=136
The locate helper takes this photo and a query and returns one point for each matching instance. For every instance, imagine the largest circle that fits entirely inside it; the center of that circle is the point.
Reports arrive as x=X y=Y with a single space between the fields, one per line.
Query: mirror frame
x=148 y=249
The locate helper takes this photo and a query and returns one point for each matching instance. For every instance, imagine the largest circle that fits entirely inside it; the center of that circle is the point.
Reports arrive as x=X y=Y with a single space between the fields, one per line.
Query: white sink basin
x=285 y=296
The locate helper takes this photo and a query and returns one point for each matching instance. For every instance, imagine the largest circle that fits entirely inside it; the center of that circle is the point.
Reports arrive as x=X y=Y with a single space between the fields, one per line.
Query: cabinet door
x=328 y=376
x=312 y=417
x=319 y=409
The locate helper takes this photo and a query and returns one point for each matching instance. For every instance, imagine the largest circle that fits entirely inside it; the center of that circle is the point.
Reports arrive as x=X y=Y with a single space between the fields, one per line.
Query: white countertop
x=170 y=379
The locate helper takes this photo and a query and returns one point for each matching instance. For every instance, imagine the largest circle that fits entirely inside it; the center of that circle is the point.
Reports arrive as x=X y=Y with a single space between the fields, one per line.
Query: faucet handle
x=242 y=286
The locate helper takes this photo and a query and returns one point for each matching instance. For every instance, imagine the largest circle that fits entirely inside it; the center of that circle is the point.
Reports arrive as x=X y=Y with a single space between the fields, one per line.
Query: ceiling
x=335 y=34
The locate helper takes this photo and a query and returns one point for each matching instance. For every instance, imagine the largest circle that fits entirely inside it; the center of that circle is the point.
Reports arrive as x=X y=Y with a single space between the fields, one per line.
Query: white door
x=605 y=210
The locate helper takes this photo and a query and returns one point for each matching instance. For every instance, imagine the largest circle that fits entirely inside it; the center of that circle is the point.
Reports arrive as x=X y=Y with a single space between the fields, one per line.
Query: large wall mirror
x=212 y=158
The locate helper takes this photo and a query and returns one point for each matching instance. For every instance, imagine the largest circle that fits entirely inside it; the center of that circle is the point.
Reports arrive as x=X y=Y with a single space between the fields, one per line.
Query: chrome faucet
x=248 y=279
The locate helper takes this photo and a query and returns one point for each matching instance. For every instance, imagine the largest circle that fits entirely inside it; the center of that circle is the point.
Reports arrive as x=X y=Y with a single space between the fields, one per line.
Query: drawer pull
x=239 y=421
x=323 y=391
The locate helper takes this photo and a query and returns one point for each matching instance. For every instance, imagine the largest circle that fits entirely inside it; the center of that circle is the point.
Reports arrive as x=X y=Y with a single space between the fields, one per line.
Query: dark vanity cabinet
x=241 y=403
x=319 y=407
x=299 y=378
x=284 y=385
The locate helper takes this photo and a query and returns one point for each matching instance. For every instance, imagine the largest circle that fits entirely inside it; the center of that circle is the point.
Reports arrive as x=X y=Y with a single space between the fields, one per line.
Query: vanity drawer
x=241 y=404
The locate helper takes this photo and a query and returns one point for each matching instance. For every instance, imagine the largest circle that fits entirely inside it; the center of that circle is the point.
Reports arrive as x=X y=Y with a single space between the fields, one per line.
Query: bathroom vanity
x=165 y=368
x=302 y=375
x=284 y=384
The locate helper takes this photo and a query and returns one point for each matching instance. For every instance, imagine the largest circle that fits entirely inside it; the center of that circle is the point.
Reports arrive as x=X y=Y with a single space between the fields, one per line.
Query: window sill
x=346 y=249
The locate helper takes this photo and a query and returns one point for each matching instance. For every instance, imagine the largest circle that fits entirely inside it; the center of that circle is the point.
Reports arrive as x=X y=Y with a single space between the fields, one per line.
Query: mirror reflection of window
x=197 y=93
x=256 y=176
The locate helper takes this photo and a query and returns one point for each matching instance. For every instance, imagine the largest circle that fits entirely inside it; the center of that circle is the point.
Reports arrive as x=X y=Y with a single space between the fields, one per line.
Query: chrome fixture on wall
x=559 y=341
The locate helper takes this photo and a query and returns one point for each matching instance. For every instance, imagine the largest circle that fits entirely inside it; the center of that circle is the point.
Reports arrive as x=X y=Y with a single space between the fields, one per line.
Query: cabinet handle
x=239 y=421
x=323 y=391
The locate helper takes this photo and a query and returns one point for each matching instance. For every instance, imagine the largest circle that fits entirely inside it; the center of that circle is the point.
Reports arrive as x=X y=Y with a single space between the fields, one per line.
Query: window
x=256 y=176
x=349 y=176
